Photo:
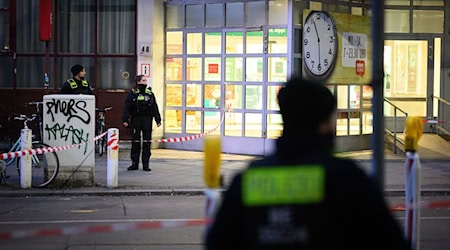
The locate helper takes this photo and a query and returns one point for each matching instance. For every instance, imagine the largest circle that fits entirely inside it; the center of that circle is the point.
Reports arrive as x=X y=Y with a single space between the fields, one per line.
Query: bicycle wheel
x=44 y=167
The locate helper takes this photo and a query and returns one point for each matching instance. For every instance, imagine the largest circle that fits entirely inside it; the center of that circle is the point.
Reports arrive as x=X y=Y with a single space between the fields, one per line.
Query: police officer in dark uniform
x=77 y=84
x=301 y=196
x=140 y=109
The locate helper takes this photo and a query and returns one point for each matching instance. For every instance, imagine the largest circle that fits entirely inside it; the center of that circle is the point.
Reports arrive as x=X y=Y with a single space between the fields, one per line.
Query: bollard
x=112 y=171
x=412 y=199
x=413 y=131
x=25 y=161
x=212 y=178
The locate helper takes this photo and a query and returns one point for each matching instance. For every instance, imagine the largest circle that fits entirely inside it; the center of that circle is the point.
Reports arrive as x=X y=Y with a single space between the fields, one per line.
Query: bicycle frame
x=17 y=147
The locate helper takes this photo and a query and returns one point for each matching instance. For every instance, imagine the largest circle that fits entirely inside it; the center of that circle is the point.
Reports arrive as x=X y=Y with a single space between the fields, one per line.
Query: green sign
x=283 y=185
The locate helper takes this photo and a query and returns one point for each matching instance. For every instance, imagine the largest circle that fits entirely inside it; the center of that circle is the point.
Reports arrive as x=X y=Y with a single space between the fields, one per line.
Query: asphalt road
x=128 y=212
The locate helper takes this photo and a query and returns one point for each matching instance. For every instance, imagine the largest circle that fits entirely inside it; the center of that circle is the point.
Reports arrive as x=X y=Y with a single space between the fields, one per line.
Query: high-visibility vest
x=74 y=85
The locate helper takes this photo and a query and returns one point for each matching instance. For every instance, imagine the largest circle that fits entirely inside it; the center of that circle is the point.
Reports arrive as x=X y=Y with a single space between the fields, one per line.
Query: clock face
x=319 y=44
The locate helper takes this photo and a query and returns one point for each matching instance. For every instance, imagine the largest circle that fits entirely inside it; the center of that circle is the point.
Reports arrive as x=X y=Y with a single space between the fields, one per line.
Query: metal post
x=412 y=199
x=25 y=161
x=377 y=85
x=112 y=170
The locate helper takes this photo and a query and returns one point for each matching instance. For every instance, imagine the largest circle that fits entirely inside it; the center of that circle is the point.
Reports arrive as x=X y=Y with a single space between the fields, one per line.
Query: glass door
x=406 y=76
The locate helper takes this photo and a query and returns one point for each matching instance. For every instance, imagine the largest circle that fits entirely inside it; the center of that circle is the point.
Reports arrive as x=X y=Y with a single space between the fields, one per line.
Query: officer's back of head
x=305 y=105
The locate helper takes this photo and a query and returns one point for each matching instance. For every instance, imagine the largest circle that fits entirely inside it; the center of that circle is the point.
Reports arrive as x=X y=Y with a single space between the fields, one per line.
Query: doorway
x=412 y=76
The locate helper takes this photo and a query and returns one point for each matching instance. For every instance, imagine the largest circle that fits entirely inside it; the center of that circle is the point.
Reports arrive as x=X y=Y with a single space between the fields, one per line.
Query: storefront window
x=254 y=69
x=212 y=122
x=174 y=42
x=258 y=14
x=277 y=41
x=272 y=97
x=428 y=21
x=233 y=124
x=277 y=69
x=193 y=121
x=173 y=95
x=213 y=43
x=278 y=12
x=193 y=69
x=213 y=67
x=194 y=16
x=234 y=42
x=253 y=127
x=233 y=96
x=212 y=96
x=214 y=15
x=174 y=69
x=234 y=14
x=253 y=97
x=274 y=125
x=193 y=94
x=175 y=16
x=254 y=42
x=233 y=69
x=115 y=73
x=194 y=43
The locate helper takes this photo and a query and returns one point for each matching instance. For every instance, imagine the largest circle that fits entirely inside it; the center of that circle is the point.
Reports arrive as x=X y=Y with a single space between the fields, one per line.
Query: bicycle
x=101 y=144
x=45 y=167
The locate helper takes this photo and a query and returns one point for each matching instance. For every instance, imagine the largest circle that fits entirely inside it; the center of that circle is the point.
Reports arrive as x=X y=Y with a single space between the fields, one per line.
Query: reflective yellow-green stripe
x=283 y=185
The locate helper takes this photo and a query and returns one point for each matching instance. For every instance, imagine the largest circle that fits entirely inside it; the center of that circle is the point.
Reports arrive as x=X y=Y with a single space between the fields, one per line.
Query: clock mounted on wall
x=319 y=45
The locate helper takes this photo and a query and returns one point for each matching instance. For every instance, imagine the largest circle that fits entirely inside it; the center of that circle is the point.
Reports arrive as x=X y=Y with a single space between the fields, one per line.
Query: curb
x=166 y=192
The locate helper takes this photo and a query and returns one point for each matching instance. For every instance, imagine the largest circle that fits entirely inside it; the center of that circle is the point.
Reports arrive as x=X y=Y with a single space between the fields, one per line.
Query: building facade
x=216 y=66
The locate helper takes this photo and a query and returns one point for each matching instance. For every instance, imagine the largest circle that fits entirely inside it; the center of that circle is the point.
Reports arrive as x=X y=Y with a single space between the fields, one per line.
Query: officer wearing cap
x=139 y=111
x=301 y=196
x=77 y=84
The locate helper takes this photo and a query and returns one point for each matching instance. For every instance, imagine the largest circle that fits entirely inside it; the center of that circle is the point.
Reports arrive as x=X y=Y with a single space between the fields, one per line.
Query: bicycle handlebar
x=103 y=109
x=24 y=118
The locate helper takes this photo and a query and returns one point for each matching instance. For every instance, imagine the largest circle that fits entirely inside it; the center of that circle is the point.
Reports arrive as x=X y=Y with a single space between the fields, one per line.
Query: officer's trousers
x=141 y=124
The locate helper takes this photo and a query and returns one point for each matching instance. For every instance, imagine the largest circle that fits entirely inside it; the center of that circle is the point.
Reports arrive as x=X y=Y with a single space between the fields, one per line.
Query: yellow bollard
x=413 y=131
x=212 y=161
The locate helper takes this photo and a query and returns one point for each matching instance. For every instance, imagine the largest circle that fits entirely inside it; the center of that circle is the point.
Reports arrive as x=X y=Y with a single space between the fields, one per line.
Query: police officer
x=140 y=109
x=301 y=196
x=77 y=84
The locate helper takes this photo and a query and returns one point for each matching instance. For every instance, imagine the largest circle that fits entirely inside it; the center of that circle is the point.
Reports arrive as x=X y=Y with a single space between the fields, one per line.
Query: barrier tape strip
x=434 y=121
x=182 y=139
x=426 y=204
x=9 y=155
x=113 y=139
x=147 y=225
x=115 y=227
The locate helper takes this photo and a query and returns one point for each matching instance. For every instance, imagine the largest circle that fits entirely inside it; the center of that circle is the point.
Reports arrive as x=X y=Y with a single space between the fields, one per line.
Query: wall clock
x=319 y=45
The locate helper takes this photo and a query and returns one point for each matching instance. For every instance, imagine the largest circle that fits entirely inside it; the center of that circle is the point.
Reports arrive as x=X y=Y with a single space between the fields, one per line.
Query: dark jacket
x=77 y=87
x=349 y=213
x=141 y=101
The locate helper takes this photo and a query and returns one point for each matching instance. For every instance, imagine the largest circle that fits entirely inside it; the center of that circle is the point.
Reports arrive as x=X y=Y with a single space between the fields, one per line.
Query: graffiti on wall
x=71 y=129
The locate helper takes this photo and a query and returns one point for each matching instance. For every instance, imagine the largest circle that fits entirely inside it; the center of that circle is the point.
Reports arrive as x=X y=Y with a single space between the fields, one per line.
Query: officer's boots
x=146 y=167
x=133 y=166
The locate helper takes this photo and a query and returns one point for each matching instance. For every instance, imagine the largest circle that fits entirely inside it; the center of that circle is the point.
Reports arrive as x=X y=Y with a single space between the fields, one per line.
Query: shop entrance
x=412 y=76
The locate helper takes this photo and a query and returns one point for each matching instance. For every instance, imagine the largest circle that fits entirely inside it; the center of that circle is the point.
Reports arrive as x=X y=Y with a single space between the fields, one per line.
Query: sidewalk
x=181 y=172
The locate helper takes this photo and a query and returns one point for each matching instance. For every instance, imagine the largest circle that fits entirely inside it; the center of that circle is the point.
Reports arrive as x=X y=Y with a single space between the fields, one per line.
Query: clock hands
x=318 y=43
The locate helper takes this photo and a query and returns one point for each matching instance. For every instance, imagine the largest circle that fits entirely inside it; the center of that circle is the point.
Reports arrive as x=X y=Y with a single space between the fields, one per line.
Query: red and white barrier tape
x=426 y=204
x=116 y=227
x=9 y=155
x=112 y=140
x=156 y=224
x=434 y=121
x=182 y=139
